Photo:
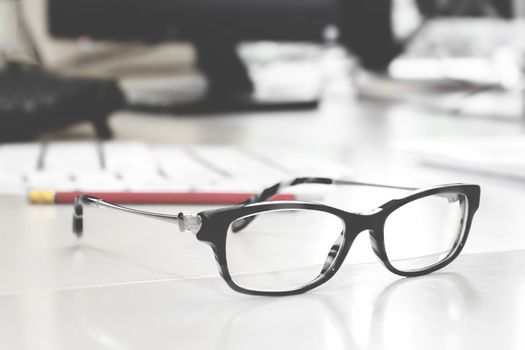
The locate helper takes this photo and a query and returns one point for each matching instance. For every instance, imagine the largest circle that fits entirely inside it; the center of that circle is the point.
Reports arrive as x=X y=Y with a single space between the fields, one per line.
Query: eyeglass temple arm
x=185 y=221
x=367 y=184
x=273 y=190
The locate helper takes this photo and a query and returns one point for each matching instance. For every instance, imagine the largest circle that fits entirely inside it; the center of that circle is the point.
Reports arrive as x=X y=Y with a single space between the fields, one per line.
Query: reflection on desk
x=477 y=303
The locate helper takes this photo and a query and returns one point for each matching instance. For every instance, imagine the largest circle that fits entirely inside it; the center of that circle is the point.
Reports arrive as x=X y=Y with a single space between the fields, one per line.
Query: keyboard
x=464 y=37
x=135 y=166
x=473 y=51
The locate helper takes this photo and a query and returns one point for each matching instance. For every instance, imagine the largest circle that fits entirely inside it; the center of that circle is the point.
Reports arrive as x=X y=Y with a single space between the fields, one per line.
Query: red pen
x=212 y=198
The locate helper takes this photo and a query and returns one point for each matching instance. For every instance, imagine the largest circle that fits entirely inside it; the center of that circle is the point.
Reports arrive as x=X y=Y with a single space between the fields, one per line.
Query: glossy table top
x=479 y=303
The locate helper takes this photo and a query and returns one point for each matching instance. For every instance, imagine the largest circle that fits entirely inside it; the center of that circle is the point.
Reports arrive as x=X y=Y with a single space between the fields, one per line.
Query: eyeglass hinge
x=189 y=222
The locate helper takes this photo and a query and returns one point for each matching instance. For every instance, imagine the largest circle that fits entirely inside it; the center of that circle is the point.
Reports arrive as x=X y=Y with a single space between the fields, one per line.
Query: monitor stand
x=230 y=88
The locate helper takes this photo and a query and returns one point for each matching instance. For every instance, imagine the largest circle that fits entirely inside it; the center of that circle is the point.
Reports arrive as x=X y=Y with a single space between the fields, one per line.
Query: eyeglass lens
x=426 y=231
x=283 y=250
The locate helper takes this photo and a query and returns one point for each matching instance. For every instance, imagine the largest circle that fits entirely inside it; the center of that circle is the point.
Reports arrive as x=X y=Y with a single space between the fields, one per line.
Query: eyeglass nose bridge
x=370 y=222
x=367 y=221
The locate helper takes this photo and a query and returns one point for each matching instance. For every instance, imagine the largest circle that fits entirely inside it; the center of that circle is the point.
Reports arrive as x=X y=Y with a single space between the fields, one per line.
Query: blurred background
x=230 y=96
x=396 y=91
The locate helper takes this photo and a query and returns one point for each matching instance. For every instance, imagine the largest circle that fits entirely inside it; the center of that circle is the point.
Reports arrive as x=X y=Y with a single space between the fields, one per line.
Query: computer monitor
x=214 y=26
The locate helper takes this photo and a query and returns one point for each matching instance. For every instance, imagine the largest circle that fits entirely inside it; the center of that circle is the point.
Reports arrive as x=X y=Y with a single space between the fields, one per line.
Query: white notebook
x=492 y=156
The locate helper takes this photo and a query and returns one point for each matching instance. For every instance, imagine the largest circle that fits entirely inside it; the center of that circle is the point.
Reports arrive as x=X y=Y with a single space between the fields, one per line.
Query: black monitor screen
x=156 y=20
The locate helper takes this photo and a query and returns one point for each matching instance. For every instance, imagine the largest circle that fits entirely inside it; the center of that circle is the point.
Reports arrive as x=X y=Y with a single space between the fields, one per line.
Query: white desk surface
x=138 y=288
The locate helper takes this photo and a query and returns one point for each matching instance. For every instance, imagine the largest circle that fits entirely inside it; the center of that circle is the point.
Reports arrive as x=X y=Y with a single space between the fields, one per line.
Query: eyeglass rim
x=215 y=224
x=471 y=196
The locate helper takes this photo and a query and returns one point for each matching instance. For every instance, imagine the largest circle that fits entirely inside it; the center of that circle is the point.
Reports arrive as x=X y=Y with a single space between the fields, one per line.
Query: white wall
x=8 y=25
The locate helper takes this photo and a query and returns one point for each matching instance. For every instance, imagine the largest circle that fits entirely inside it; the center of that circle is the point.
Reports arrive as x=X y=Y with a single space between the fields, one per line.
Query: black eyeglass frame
x=211 y=226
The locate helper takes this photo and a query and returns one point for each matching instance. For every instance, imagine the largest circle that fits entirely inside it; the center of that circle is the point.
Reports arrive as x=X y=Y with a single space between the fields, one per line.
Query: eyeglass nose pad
x=239 y=224
x=336 y=247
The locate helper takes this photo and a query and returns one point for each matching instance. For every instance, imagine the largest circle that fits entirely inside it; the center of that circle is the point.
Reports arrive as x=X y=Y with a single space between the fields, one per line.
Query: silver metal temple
x=189 y=222
x=98 y=203
x=366 y=184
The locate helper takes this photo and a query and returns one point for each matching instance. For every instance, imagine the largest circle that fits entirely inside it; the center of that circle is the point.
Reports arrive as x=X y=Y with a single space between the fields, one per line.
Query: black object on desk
x=230 y=88
x=215 y=27
x=33 y=101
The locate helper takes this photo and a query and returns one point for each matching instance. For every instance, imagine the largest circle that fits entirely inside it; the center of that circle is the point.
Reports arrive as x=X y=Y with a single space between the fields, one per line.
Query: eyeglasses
x=275 y=248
